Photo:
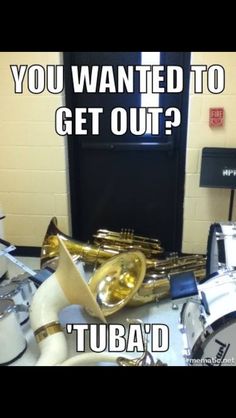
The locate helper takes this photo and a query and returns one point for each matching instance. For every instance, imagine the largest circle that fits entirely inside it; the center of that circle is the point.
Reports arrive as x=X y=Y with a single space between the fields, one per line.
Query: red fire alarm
x=216 y=117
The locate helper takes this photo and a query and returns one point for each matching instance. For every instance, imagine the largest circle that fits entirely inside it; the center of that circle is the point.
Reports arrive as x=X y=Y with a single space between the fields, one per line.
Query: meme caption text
x=156 y=79
x=118 y=338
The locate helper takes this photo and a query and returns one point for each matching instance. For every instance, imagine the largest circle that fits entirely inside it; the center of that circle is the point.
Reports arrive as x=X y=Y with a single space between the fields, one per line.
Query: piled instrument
x=126 y=241
x=108 y=244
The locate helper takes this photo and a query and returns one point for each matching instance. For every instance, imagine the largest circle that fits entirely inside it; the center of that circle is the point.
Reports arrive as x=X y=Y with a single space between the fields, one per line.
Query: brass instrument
x=109 y=291
x=146 y=359
x=156 y=284
x=115 y=283
x=175 y=264
x=126 y=240
x=78 y=250
x=99 y=251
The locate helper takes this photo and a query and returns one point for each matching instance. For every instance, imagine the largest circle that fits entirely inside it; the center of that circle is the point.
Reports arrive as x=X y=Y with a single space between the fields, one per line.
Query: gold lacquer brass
x=120 y=280
x=106 y=245
x=156 y=284
x=77 y=249
x=126 y=240
x=117 y=281
x=146 y=359
x=46 y=330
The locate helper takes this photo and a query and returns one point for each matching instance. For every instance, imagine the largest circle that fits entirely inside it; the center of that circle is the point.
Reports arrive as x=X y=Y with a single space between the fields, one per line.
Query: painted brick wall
x=33 y=158
x=203 y=206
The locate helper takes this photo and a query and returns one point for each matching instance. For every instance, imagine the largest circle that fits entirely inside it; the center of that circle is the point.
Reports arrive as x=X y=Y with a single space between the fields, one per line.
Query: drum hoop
x=216 y=227
x=182 y=312
x=9 y=309
x=8 y=295
x=210 y=330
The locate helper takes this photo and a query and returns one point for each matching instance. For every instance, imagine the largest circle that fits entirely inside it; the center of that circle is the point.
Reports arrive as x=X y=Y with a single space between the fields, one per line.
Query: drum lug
x=181 y=328
x=21 y=308
x=202 y=319
x=186 y=353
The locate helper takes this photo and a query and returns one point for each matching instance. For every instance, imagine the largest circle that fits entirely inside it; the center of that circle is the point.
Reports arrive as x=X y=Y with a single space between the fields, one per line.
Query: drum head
x=217 y=347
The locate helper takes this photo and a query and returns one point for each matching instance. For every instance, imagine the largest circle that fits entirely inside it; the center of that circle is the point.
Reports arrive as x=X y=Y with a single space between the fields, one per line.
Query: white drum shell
x=12 y=341
x=201 y=330
x=3 y=261
x=21 y=292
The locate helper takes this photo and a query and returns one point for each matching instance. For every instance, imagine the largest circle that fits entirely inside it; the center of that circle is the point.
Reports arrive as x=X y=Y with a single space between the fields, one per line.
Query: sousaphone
x=109 y=289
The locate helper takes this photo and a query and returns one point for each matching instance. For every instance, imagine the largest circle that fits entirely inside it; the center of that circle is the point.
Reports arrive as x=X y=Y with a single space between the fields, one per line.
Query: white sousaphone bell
x=124 y=272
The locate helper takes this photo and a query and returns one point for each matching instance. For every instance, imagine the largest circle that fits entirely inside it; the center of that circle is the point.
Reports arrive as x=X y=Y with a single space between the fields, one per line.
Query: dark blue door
x=127 y=181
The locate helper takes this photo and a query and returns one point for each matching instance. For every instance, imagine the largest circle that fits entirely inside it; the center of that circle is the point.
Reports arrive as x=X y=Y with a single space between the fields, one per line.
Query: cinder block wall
x=203 y=206
x=33 y=158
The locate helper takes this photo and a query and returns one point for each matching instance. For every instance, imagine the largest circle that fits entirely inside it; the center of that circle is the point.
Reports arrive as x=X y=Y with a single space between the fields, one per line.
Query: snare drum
x=210 y=339
x=21 y=291
x=221 y=247
x=27 y=286
x=12 y=341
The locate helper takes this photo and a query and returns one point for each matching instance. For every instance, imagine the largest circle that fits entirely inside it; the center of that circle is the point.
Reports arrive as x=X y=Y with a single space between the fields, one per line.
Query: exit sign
x=216 y=117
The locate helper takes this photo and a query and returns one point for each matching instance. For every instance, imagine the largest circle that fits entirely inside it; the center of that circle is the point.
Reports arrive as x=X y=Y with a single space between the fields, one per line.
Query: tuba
x=100 y=251
x=126 y=240
x=78 y=250
x=155 y=285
